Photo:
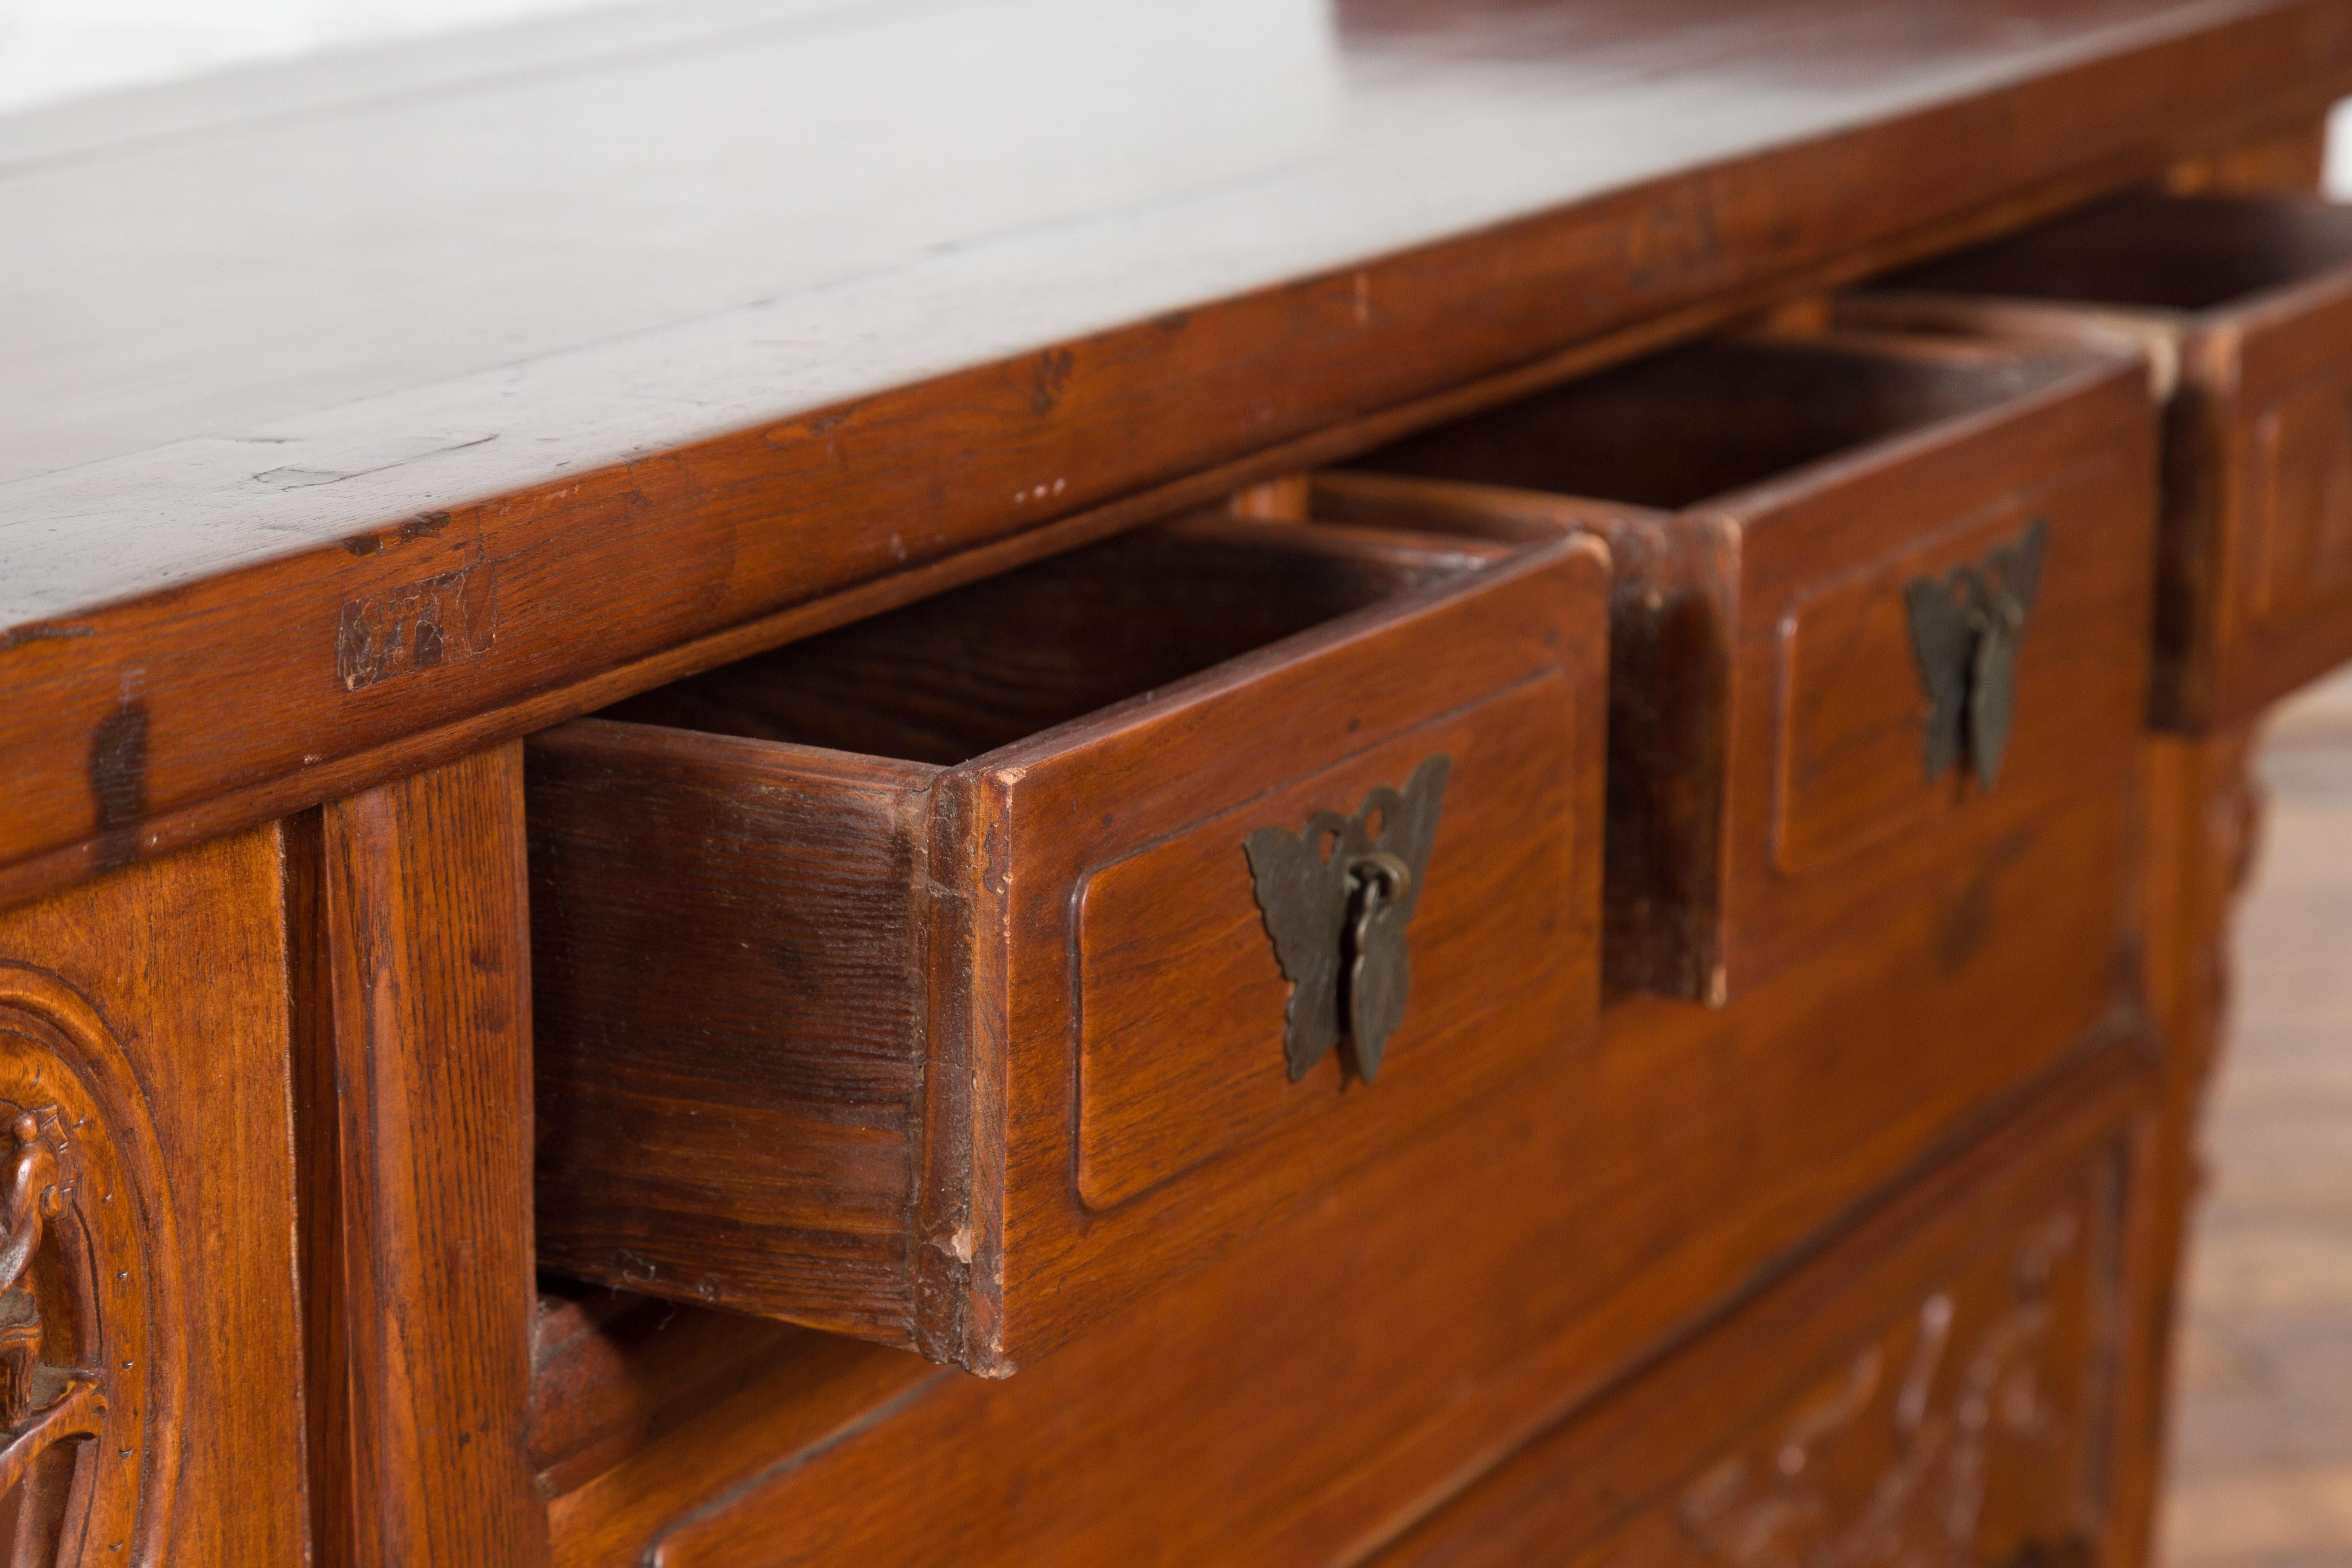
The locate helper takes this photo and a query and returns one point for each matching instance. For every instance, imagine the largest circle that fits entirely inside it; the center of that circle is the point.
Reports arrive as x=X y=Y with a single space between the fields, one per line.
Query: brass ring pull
x=1379 y=869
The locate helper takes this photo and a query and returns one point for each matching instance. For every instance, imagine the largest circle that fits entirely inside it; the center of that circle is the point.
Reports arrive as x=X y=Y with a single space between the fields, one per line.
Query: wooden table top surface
x=673 y=319
x=272 y=309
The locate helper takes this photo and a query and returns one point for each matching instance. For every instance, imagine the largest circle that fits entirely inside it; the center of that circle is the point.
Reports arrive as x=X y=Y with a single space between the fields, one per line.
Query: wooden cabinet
x=1812 y=536
x=1163 y=882
x=1399 y=752
x=2244 y=303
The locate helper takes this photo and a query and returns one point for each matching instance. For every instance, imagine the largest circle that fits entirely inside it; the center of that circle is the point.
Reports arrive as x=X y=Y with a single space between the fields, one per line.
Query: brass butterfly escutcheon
x=1966 y=627
x=1337 y=897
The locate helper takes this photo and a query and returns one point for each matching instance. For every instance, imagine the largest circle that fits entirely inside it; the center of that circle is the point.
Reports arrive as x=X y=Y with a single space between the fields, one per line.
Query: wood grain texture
x=499 y=509
x=977 y=669
x=1354 y=703
x=1335 y=1378
x=2292 y=160
x=1936 y=1388
x=2246 y=301
x=163 y=990
x=2203 y=816
x=731 y=1018
x=611 y=1373
x=1767 y=772
x=421 y=1265
x=267 y=577
x=756 y=1112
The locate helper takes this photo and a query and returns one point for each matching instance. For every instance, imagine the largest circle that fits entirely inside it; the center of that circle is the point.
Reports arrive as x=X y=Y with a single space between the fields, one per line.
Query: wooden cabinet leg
x=415 y=1005
x=2203 y=812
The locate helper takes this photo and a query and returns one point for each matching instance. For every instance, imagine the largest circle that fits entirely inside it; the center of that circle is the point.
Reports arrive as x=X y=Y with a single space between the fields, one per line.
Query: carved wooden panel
x=149 y=1374
x=85 y=1402
x=1957 y=1436
x=1935 y=1388
x=1969 y=1431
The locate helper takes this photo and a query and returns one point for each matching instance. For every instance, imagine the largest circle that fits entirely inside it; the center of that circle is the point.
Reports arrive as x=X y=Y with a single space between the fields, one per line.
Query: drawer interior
x=2152 y=252
x=1699 y=422
x=977 y=669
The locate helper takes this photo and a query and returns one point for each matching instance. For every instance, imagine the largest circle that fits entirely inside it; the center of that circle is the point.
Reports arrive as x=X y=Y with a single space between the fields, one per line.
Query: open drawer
x=1140 y=892
x=1879 y=601
x=2245 y=304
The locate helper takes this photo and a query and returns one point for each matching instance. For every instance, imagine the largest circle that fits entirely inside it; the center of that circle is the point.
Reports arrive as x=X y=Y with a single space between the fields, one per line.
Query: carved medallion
x=89 y=1397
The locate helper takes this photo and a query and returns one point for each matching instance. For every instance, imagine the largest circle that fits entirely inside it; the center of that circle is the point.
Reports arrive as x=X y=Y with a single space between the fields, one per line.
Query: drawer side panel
x=729 y=976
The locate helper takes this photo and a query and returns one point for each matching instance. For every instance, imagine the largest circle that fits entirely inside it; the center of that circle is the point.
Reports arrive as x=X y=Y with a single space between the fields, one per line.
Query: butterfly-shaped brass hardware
x=1966 y=626
x=1337 y=898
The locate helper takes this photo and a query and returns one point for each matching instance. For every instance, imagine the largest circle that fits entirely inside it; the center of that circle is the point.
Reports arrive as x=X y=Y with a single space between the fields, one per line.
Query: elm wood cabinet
x=2245 y=304
x=411 y=455
x=1775 y=506
x=966 y=1038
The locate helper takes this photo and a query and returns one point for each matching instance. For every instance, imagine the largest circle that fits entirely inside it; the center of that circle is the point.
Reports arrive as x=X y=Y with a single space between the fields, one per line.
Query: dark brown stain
x=118 y=781
x=424 y=525
x=1049 y=377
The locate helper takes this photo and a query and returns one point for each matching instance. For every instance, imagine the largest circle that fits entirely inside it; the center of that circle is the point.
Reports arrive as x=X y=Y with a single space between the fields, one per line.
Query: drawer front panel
x=1856 y=714
x=2246 y=306
x=2302 y=537
x=1128 y=1042
x=1917 y=615
x=2264 y=478
x=1161 y=1093
x=1863 y=663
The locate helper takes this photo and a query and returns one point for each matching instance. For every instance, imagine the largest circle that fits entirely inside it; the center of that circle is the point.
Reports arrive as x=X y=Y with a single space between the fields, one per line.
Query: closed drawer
x=2246 y=304
x=1814 y=538
x=957 y=977
x=1939 y=1387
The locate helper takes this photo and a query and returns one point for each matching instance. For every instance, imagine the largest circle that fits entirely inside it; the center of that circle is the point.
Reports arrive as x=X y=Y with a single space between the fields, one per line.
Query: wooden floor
x=2261 y=1472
